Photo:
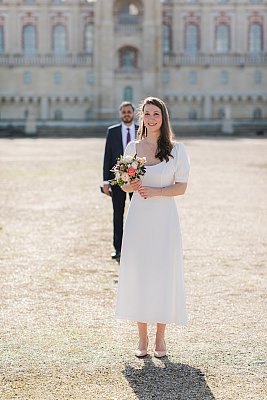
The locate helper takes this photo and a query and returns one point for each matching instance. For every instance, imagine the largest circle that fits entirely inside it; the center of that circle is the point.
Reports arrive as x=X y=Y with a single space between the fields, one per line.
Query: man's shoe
x=115 y=255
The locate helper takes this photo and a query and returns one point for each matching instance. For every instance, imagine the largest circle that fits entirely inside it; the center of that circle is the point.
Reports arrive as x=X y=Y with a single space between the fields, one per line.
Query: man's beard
x=127 y=119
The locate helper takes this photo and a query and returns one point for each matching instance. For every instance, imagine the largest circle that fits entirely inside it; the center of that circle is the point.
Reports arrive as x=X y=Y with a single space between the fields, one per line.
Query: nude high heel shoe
x=141 y=353
x=160 y=353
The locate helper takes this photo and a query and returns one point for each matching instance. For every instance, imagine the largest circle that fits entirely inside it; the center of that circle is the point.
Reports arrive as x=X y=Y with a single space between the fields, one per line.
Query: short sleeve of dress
x=182 y=163
x=130 y=149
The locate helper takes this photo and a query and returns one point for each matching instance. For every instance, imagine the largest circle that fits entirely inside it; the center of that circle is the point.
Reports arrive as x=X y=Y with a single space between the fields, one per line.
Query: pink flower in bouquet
x=131 y=171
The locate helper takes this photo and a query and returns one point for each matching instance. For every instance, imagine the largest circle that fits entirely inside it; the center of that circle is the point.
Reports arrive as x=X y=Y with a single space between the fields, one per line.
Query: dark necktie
x=128 y=136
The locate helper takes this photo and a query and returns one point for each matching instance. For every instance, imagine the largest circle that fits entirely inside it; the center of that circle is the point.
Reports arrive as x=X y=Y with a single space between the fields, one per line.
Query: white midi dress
x=151 y=276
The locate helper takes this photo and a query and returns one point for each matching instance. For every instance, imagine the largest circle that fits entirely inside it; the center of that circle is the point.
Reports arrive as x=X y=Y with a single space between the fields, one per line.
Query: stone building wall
x=76 y=60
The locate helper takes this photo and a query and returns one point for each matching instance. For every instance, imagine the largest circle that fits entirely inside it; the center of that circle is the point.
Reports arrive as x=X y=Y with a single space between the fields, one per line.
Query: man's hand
x=106 y=188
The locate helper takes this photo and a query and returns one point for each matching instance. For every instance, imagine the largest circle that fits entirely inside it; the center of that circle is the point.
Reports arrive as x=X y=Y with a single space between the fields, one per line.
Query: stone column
x=152 y=55
x=227 y=123
x=104 y=62
x=30 y=125
x=44 y=34
x=207 y=107
x=44 y=107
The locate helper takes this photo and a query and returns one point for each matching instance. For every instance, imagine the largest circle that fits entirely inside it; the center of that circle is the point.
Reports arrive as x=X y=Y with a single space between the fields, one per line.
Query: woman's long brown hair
x=166 y=134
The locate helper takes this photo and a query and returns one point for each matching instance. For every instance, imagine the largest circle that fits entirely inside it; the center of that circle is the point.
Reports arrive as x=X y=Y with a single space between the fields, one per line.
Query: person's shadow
x=169 y=381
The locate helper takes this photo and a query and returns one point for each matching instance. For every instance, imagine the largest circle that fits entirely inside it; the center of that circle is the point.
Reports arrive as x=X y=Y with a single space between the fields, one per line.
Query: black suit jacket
x=113 y=150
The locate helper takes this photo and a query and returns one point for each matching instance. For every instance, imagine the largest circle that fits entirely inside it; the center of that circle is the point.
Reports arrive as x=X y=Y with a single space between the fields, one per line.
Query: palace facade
x=71 y=62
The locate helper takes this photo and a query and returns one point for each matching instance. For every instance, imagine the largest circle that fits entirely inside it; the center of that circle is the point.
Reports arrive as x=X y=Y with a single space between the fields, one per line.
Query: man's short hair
x=126 y=104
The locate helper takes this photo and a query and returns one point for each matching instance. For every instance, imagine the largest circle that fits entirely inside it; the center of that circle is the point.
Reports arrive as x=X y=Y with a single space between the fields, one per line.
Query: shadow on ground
x=167 y=381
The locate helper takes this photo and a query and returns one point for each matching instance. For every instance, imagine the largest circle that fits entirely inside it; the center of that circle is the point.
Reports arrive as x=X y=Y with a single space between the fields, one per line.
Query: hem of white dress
x=147 y=321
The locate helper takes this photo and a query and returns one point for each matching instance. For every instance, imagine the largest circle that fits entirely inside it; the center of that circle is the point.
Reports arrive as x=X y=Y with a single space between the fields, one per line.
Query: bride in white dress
x=151 y=277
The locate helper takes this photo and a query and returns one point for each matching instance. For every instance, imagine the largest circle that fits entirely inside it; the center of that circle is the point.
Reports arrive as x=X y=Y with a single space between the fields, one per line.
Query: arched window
x=191 y=39
x=58 y=115
x=128 y=94
x=255 y=38
x=192 y=114
x=59 y=39
x=29 y=40
x=2 y=46
x=222 y=38
x=128 y=57
x=166 y=39
x=257 y=113
x=128 y=13
x=89 y=38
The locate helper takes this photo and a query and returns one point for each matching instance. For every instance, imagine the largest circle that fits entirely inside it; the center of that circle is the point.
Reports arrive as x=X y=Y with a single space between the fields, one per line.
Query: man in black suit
x=118 y=136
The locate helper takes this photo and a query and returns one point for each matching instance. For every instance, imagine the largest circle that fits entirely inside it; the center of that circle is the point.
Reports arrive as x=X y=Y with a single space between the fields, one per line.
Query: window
x=88 y=114
x=221 y=113
x=29 y=40
x=128 y=57
x=166 y=39
x=191 y=39
x=26 y=114
x=257 y=77
x=59 y=39
x=222 y=38
x=27 y=78
x=89 y=38
x=192 y=77
x=2 y=46
x=255 y=38
x=224 y=77
x=90 y=78
x=128 y=94
x=128 y=13
x=192 y=114
x=57 y=78
x=58 y=115
x=165 y=76
x=257 y=113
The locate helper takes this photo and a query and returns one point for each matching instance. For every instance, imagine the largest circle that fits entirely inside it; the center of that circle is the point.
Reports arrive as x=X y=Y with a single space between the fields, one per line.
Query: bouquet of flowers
x=128 y=169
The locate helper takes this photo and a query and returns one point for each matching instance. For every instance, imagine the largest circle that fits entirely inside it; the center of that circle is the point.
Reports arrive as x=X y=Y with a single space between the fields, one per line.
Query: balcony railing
x=129 y=70
x=214 y=59
x=127 y=23
x=44 y=60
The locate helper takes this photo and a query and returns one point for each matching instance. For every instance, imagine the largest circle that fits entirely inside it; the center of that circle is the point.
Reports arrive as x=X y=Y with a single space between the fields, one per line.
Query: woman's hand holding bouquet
x=128 y=171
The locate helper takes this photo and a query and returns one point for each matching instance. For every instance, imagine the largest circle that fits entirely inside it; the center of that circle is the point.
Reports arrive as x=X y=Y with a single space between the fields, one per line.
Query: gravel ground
x=59 y=338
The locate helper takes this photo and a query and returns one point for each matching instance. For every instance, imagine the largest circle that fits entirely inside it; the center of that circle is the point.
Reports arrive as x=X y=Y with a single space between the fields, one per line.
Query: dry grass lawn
x=59 y=338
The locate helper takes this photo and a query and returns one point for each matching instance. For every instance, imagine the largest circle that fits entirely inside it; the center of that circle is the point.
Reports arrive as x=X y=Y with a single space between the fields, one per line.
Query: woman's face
x=152 y=118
